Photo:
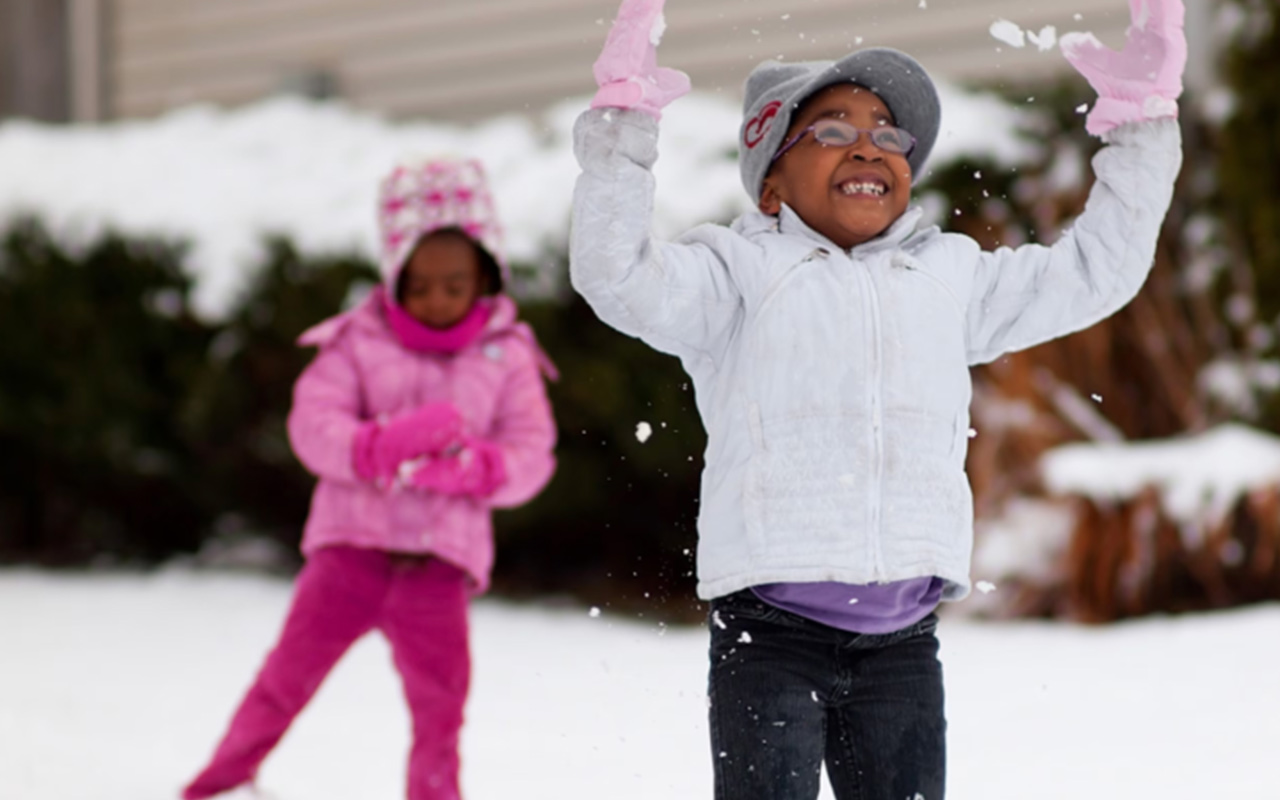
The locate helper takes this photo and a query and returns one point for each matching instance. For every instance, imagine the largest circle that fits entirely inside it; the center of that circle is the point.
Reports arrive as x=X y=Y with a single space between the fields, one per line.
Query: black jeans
x=788 y=693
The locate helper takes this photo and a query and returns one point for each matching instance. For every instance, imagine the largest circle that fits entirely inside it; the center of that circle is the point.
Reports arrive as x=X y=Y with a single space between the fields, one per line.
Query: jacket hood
x=422 y=197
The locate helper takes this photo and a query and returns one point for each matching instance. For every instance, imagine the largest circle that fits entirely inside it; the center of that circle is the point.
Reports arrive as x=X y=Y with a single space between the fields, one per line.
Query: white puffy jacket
x=834 y=385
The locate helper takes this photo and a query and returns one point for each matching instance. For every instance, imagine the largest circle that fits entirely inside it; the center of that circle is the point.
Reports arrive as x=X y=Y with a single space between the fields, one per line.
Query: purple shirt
x=871 y=608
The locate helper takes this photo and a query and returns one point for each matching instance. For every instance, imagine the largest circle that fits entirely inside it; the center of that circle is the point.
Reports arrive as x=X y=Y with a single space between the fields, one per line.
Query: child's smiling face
x=849 y=194
x=441 y=280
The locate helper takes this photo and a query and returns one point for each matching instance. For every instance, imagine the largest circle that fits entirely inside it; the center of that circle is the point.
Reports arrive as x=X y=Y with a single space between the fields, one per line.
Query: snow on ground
x=114 y=687
x=222 y=179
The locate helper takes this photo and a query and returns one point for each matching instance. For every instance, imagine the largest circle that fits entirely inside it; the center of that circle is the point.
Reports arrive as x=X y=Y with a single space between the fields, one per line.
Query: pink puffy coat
x=363 y=372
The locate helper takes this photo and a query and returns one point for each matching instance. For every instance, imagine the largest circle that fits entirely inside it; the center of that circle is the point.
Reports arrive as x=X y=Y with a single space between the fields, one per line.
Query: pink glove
x=475 y=470
x=1143 y=80
x=627 y=70
x=381 y=447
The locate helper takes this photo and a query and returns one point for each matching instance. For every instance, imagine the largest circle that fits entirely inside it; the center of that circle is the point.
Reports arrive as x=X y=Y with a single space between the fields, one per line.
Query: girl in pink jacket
x=424 y=409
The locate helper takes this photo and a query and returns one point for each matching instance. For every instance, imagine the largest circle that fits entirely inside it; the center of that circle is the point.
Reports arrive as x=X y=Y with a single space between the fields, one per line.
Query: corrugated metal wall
x=463 y=59
x=34 y=76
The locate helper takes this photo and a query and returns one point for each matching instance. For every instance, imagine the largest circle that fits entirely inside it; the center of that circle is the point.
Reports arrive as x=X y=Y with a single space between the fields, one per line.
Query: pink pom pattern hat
x=419 y=198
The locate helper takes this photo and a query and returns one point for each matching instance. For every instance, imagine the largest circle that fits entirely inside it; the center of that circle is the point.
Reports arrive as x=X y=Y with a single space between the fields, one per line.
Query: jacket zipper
x=875 y=402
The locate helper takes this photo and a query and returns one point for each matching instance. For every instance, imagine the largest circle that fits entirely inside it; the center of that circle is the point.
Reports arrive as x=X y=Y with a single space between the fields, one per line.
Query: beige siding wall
x=464 y=59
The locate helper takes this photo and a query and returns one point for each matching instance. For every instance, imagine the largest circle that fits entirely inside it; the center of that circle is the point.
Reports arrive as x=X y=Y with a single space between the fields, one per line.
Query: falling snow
x=1007 y=32
x=1045 y=39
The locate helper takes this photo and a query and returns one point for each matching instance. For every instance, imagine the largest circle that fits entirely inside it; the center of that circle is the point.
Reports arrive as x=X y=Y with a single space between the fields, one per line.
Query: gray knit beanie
x=775 y=90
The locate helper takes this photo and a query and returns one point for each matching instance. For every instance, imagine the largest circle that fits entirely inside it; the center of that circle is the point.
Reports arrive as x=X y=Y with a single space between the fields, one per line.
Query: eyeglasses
x=834 y=133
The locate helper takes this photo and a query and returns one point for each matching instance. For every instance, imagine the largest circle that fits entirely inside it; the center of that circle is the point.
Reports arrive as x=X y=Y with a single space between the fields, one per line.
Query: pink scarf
x=416 y=336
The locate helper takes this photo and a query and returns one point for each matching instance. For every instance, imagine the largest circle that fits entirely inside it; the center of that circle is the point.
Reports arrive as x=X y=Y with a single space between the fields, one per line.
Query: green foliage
x=129 y=429
x=96 y=352
x=237 y=407
x=1250 y=147
x=1248 y=156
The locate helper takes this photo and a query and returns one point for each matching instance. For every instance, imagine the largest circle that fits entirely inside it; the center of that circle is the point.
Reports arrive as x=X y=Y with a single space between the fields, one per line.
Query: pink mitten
x=475 y=470
x=1144 y=79
x=627 y=70
x=381 y=447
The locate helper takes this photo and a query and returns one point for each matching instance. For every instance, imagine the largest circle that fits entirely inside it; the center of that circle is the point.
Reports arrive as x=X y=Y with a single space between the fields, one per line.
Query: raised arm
x=678 y=298
x=1026 y=296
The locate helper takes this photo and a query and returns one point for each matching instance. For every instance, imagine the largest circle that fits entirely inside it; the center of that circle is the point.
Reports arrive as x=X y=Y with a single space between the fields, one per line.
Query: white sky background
x=115 y=687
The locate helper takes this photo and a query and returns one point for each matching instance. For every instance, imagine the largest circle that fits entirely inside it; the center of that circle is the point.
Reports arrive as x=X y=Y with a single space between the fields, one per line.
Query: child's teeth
x=863 y=188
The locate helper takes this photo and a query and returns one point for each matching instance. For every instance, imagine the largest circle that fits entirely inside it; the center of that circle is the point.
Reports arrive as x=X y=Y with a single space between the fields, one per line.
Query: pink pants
x=419 y=604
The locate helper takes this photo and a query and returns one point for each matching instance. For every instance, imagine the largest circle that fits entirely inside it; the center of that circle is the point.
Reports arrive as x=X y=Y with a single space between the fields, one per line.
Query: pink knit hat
x=418 y=198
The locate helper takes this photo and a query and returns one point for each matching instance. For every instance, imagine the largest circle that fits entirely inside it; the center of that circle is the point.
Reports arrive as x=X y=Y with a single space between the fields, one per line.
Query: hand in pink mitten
x=381 y=447
x=475 y=470
x=1144 y=79
x=627 y=70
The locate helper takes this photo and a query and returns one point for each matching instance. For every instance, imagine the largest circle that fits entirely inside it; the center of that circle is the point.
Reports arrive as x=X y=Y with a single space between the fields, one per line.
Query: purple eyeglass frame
x=794 y=140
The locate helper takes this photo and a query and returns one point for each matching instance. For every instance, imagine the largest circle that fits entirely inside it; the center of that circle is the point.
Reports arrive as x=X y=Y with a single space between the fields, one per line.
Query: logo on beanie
x=759 y=125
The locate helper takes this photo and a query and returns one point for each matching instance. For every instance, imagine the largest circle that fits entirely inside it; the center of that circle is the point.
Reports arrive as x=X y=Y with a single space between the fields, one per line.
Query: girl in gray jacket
x=829 y=338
